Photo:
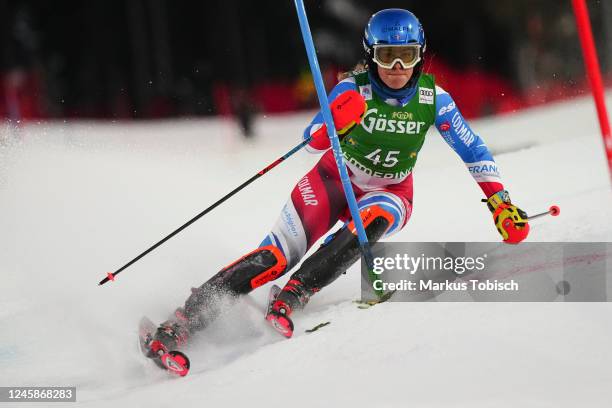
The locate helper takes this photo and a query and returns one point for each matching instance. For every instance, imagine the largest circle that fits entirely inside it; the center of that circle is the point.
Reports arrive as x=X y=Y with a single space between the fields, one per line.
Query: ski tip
x=554 y=210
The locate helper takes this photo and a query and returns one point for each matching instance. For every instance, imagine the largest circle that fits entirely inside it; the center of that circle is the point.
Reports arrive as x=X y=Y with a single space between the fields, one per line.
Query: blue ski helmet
x=394 y=27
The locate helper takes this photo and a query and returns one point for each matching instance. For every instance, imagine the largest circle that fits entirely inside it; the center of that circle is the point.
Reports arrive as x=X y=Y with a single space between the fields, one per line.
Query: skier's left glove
x=511 y=221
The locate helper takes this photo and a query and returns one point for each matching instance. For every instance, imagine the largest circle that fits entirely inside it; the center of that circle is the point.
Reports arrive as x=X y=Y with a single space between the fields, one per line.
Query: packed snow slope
x=79 y=199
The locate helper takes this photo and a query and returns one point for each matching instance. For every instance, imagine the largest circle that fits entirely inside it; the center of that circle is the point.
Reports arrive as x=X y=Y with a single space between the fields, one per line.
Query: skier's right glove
x=347 y=110
x=511 y=221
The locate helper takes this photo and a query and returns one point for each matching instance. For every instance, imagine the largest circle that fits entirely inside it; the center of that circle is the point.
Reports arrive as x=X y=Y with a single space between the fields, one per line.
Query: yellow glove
x=511 y=221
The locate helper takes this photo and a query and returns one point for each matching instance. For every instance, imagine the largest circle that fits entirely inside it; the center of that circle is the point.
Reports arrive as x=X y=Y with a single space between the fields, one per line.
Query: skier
x=382 y=114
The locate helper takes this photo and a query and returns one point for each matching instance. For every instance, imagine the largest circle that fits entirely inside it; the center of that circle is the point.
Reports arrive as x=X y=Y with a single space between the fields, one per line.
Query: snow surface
x=79 y=199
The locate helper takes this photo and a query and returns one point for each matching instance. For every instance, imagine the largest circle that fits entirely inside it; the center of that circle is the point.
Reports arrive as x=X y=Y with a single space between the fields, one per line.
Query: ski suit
x=380 y=154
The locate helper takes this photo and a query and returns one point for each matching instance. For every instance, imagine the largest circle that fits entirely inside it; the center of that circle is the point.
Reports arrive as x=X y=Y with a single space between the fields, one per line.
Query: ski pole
x=364 y=245
x=110 y=276
x=553 y=210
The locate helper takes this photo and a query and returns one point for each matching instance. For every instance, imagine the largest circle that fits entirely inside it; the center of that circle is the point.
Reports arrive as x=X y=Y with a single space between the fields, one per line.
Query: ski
x=274 y=291
x=173 y=361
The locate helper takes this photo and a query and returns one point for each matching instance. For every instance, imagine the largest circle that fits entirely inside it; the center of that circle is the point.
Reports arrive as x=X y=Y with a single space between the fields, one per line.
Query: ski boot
x=171 y=334
x=159 y=344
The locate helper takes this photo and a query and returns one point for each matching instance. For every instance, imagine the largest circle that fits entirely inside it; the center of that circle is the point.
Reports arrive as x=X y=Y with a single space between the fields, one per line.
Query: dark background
x=162 y=58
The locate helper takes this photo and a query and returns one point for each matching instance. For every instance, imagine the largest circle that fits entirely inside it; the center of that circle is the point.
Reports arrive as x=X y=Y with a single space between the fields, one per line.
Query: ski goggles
x=386 y=56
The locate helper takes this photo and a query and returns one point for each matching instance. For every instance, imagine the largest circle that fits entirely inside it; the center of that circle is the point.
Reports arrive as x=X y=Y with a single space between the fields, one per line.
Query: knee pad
x=261 y=266
x=373 y=216
x=252 y=270
x=276 y=268
x=397 y=207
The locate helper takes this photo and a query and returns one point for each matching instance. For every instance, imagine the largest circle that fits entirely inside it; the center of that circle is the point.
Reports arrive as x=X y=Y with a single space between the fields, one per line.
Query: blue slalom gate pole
x=331 y=132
